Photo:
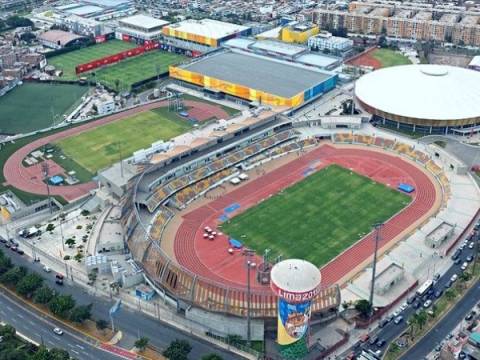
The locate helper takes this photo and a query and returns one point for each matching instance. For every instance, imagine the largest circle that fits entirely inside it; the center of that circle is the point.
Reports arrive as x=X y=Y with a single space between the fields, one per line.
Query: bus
x=423 y=289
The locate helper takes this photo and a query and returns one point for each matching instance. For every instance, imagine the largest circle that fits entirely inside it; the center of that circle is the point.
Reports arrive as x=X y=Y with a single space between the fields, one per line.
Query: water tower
x=296 y=283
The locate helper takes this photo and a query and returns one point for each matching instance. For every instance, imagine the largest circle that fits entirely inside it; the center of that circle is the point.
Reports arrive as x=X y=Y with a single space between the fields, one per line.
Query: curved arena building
x=432 y=99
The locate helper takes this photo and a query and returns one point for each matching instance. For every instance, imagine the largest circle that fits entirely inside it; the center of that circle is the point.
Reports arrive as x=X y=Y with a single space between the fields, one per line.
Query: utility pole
x=374 y=266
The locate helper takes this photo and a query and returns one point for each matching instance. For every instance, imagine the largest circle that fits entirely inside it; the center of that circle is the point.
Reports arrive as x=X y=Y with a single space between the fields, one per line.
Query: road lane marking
x=9 y=308
x=76 y=352
x=80 y=346
x=20 y=316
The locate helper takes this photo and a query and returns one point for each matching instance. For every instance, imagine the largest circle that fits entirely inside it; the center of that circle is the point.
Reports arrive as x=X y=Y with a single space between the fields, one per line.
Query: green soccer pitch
x=129 y=71
x=102 y=146
x=317 y=218
x=388 y=57
x=67 y=62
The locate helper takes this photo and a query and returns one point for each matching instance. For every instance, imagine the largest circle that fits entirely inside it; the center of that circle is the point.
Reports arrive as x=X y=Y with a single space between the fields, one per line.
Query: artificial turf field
x=137 y=68
x=388 y=57
x=317 y=218
x=68 y=61
x=33 y=106
x=102 y=146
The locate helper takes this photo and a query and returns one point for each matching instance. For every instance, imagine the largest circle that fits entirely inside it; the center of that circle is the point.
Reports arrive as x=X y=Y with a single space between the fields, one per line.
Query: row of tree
x=30 y=286
x=179 y=350
x=14 y=22
x=14 y=348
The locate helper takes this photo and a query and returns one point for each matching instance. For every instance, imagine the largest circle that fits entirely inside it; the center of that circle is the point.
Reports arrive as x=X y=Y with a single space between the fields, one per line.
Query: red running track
x=20 y=177
x=210 y=259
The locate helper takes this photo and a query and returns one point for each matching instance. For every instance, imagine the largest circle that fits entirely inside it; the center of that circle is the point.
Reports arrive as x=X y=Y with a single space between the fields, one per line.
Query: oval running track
x=18 y=176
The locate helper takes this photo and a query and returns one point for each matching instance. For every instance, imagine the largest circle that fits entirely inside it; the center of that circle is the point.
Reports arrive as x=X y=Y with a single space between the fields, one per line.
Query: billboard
x=292 y=321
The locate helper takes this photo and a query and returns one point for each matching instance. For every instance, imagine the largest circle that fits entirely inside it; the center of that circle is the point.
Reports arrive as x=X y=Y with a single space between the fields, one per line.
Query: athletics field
x=317 y=218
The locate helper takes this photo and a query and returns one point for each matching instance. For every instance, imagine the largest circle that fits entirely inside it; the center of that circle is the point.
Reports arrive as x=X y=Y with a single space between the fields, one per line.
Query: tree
x=61 y=305
x=212 y=357
x=81 y=313
x=28 y=37
x=27 y=286
x=141 y=343
x=17 y=21
x=5 y=264
x=101 y=324
x=420 y=319
x=59 y=354
x=7 y=331
x=117 y=84
x=43 y=295
x=382 y=41
x=70 y=242
x=178 y=350
x=14 y=275
x=41 y=354
x=450 y=294
x=363 y=307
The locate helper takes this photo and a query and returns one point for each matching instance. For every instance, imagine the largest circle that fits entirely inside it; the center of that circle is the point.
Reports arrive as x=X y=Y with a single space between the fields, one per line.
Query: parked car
x=59 y=281
x=471 y=245
x=46 y=269
x=403 y=306
x=7 y=245
x=59 y=276
x=438 y=293
x=3 y=240
x=470 y=316
x=14 y=248
x=454 y=278
x=372 y=340
x=448 y=284
x=417 y=304
x=436 y=277
x=411 y=300
x=456 y=254
x=380 y=342
x=469 y=258
x=20 y=252
x=427 y=304
x=383 y=323
x=464 y=266
x=457 y=261
x=398 y=319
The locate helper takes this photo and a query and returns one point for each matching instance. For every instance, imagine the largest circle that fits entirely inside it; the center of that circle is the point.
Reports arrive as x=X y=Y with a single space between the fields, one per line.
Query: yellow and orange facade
x=250 y=94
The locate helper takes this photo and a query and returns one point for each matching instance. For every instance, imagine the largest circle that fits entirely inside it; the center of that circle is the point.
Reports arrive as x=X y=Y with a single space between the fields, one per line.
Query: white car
x=471 y=245
x=58 y=331
x=464 y=266
x=427 y=303
x=47 y=269
x=454 y=278
x=403 y=306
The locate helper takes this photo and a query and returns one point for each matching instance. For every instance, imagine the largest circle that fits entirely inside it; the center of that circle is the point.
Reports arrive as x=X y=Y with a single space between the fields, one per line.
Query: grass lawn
x=137 y=68
x=68 y=61
x=29 y=107
x=317 y=218
x=100 y=147
x=390 y=57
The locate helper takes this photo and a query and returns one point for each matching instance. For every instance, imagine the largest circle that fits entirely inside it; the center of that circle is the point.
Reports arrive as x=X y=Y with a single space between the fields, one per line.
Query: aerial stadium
x=433 y=99
x=256 y=78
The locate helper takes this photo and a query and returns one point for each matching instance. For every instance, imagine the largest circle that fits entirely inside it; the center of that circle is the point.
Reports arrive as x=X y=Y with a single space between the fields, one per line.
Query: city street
x=131 y=323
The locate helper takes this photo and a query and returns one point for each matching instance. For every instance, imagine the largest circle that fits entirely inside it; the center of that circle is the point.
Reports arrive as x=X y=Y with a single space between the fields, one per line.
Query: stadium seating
x=161 y=219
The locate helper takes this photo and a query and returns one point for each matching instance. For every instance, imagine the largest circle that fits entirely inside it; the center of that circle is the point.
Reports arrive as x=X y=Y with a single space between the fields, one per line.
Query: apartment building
x=404 y=21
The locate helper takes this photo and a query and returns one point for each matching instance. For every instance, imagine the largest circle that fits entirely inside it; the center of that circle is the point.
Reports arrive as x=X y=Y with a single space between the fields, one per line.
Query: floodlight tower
x=377 y=227
x=45 y=171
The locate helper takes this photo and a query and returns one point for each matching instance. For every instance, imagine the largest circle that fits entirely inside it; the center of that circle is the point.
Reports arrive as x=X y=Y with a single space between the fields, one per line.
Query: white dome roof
x=433 y=92
x=295 y=275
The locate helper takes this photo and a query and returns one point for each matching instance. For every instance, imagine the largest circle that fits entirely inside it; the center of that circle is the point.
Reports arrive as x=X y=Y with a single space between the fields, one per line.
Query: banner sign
x=292 y=321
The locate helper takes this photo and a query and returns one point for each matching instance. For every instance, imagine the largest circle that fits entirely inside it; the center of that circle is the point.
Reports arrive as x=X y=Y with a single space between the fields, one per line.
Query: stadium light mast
x=45 y=171
x=250 y=264
x=377 y=227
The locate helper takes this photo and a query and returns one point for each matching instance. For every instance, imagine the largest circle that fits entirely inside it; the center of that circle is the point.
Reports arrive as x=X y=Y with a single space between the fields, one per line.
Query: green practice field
x=34 y=106
x=388 y=57
x=68 y=61
x=317 y=218
x=107 y=144
x=132 y=70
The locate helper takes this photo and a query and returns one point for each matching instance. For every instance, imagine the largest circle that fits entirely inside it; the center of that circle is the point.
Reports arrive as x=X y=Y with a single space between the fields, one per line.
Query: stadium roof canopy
x=59 y=37
x=259 y=72
x=213 y=29
x=433 y=92
x=143 y=21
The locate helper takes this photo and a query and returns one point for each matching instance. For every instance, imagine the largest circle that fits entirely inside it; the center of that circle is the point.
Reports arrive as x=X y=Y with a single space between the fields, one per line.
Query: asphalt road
x=446 y=325
x=390 y=331
x=131 y=323
x=40 y=329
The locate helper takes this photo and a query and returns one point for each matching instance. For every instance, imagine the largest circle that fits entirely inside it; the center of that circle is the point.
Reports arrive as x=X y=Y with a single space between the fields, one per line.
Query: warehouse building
x=140 y=28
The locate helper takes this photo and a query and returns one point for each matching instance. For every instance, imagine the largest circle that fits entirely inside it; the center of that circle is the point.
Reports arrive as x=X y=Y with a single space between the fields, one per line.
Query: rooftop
x=143 y=21
x=209 y=28
x=278 y=47
x=258 y=72
x=59 y=36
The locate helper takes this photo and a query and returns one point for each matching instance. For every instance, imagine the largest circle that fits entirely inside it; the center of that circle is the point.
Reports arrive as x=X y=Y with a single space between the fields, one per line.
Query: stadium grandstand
x=256 y=78
x=58 y=39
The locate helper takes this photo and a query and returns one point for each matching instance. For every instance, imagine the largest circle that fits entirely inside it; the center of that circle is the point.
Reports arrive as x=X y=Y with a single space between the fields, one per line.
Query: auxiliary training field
x=68 y=61
x=132 y=70
x=317 y=218
x=102 y=146
x=34 y=106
